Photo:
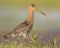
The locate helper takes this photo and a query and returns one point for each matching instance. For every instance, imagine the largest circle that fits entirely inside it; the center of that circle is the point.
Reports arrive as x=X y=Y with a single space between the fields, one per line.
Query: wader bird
x=24 y=28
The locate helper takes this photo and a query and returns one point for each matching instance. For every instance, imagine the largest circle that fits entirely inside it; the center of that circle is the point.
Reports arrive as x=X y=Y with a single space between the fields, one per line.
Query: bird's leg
x=18 y=40
x=25 y=39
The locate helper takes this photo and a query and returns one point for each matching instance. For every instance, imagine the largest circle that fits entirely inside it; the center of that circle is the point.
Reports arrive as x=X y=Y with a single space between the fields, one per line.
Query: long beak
x=38 y=10
x=43 y=13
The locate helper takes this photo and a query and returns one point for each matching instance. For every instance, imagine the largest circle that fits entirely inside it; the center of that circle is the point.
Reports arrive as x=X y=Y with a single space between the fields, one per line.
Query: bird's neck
x=30 y=16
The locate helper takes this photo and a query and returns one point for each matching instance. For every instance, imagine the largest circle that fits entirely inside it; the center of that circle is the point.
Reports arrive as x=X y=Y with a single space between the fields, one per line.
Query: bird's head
x=34 y=8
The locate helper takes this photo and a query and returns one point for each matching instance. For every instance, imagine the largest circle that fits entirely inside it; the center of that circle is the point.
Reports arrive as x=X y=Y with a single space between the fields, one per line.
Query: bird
x=24 y=28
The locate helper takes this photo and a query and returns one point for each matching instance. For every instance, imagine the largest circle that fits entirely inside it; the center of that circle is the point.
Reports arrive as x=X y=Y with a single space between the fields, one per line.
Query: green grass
x=32 y=44
x=24 y=3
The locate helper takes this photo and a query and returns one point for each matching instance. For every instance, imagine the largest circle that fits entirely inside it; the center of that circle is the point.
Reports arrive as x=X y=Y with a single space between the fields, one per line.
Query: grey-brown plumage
x=23 y=28
x=20 y=30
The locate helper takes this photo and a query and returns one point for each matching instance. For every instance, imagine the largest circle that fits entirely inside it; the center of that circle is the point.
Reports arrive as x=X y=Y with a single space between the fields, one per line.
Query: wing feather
x=23 y=27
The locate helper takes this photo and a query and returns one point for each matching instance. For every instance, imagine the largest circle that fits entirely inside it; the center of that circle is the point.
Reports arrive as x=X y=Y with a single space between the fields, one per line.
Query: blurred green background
x=24 y=3
x=13 y=12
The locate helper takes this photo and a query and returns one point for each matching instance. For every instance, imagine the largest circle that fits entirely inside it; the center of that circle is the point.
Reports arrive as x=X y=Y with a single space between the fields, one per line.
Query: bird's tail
x=11 y=34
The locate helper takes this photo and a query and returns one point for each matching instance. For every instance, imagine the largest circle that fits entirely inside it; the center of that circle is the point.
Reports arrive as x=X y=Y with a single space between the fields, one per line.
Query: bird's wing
x=22 y=27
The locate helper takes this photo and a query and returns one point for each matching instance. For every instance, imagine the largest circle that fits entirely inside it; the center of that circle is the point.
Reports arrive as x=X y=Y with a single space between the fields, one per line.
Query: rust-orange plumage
x=24 y=28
